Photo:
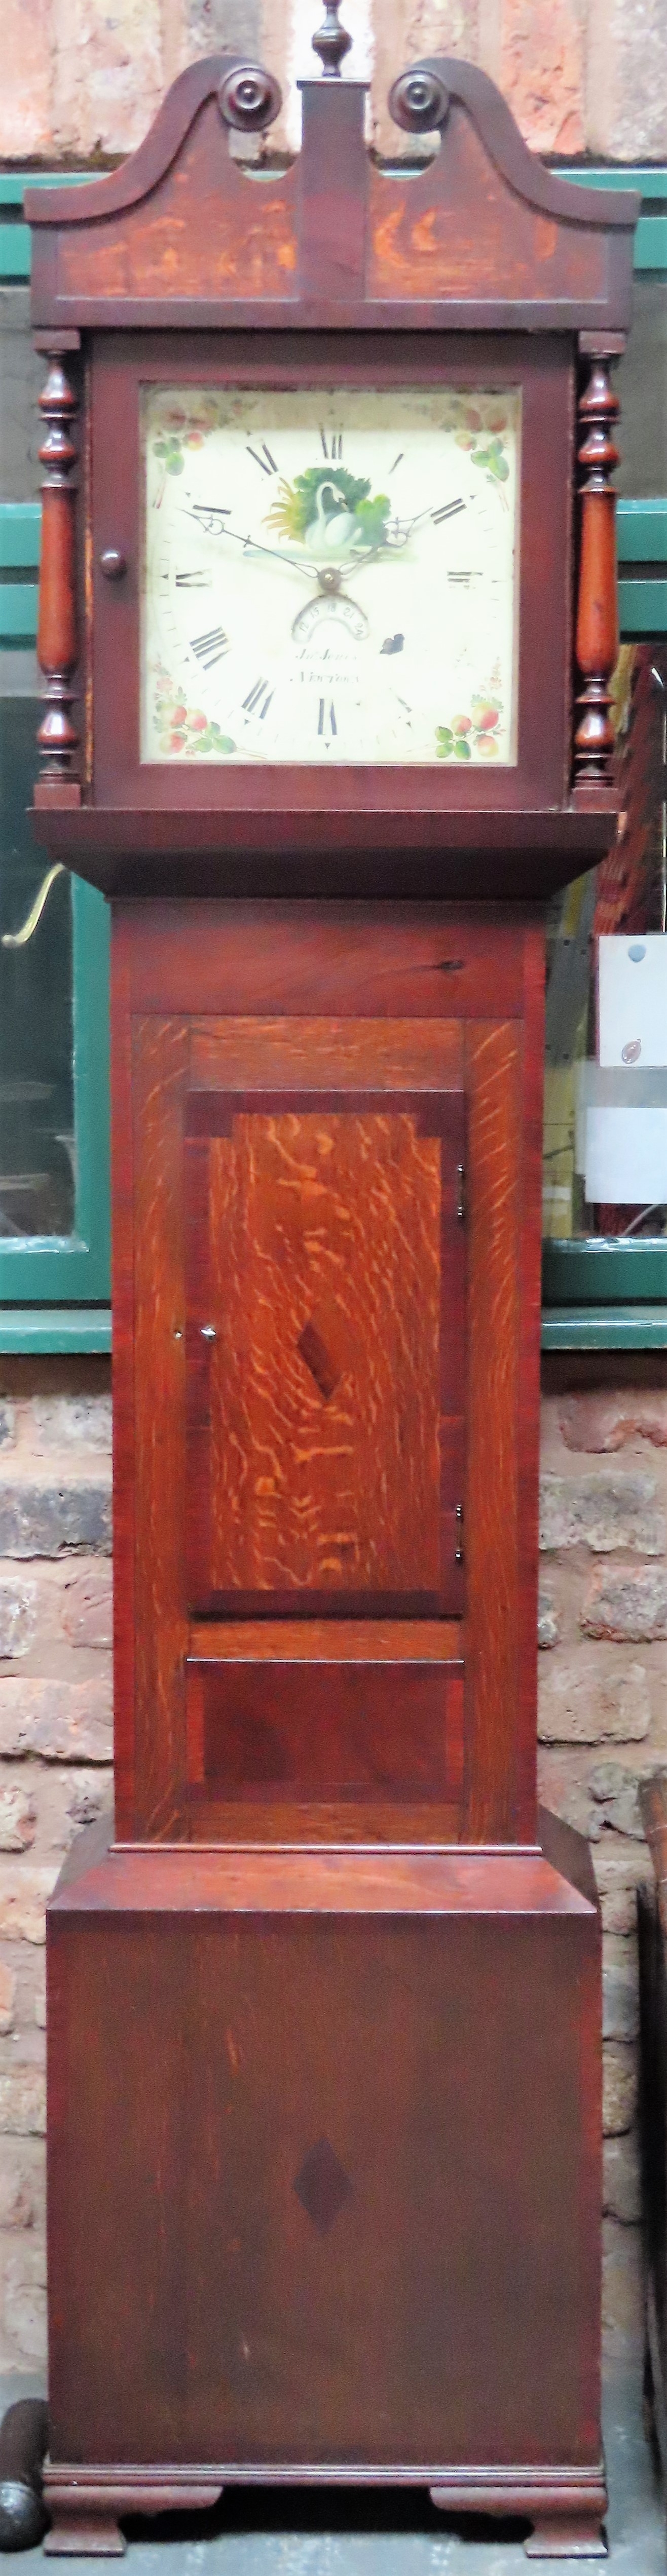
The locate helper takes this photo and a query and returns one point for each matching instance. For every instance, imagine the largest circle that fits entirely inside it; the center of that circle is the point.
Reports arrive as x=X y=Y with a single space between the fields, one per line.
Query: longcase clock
x=327 y=639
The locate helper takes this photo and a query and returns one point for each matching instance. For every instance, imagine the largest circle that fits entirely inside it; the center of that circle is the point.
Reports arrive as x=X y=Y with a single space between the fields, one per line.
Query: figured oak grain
x=264 y=1054
x=336 y=1641
x=333 y=1224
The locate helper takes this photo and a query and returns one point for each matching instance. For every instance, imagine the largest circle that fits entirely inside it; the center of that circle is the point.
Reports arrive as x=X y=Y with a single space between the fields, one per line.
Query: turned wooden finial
x=597 y=611
x=57 y=646
x=332 y=42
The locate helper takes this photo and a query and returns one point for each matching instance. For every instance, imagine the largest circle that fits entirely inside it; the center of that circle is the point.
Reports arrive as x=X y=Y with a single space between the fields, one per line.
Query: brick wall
x=603 y=1722
x=580 y=75
x=55 y=1749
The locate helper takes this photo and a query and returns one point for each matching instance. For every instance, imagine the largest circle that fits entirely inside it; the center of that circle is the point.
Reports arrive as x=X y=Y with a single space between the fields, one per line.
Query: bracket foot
x=566 y=2536
x=83 y=2535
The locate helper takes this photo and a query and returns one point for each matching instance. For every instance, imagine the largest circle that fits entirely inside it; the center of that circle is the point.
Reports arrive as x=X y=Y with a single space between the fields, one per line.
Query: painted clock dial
x=330 y=577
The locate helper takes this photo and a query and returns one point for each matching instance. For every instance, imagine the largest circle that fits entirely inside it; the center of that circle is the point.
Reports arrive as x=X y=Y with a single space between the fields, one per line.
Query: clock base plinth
x=303 y=2130
x=85 y=2505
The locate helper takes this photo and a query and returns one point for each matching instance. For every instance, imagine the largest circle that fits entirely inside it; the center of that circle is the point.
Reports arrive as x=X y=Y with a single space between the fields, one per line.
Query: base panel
x=324 y=2178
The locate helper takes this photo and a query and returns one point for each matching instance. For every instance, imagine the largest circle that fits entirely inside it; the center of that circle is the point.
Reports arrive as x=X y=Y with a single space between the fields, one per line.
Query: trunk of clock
x=324 y=2085
x=326 y=1318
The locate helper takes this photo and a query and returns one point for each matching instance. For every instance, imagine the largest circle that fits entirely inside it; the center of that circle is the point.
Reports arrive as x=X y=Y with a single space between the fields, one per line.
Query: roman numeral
x=448 y=511
x=193 y=580
x=266 y=460
x=210 y=648
x=335 y=446
x=253 y=702
x=325 y=712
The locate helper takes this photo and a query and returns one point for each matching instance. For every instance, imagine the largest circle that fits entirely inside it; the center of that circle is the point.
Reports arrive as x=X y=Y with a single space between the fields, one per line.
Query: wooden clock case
x=324 y=2115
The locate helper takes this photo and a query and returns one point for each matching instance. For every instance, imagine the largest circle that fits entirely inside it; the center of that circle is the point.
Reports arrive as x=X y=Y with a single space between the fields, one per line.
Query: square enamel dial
x=330 y=577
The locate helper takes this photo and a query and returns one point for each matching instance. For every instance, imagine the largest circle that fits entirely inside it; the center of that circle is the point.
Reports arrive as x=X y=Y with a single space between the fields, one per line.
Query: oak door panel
x=325 y=1351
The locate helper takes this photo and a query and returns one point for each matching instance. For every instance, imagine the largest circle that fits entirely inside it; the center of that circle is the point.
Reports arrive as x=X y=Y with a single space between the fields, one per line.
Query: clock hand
x=250 y=544
x=404 y=528
x=328 y=576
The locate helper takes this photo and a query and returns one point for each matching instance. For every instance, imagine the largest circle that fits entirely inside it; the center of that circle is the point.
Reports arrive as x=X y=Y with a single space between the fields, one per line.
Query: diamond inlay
x=318 y=1359
x=322 y=2186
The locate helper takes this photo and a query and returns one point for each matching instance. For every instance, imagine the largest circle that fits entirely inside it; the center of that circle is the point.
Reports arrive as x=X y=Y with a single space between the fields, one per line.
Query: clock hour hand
x=401 y=530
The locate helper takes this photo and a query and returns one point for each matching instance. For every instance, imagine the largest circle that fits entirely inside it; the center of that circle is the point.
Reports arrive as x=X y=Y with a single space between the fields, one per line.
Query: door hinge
x=460 y=1186
x=458 y=1551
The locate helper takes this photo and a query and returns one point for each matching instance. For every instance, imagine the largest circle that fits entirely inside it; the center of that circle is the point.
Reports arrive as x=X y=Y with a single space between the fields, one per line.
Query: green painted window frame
x=45 y=1269
x=54 y=1290
x=37 y=1271
x=597 y=1293
x=600 y=1293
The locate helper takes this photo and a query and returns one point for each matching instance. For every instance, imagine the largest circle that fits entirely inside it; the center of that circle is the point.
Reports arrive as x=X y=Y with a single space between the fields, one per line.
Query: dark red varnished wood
x=569 y=2535
x=344 y=1989
x=409 y=963
x=339 y=1736
x=542 y=254
x=343 y=803
x=401 y=856
x=597 y=611
x=324 y=2064
x=316 y=971
x=57 y=640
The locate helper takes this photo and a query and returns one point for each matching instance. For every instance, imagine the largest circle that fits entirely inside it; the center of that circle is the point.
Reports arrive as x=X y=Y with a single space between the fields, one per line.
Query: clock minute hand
x=250 y=544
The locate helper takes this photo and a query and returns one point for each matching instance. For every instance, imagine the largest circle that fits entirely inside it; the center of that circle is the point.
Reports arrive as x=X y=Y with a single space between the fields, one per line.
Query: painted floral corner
x=184 y=729
x=481 y=424
x=178 y=425
x=473 y=735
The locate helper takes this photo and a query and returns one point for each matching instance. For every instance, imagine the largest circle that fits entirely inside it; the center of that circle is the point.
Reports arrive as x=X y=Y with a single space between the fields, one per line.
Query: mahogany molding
x=375 y=246
x=402 y=855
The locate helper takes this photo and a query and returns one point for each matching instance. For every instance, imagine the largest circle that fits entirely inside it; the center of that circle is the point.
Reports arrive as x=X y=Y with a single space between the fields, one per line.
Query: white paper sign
x=632 y=1000
x=626 y=1156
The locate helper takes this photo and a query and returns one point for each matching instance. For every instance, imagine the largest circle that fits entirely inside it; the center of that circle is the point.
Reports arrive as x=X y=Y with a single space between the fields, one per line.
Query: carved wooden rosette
x=57 y=644
x=597 y=612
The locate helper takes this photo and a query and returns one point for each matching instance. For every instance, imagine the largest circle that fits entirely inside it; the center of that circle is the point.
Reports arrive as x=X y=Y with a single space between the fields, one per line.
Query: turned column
x=57 y=642
x=596 y=641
